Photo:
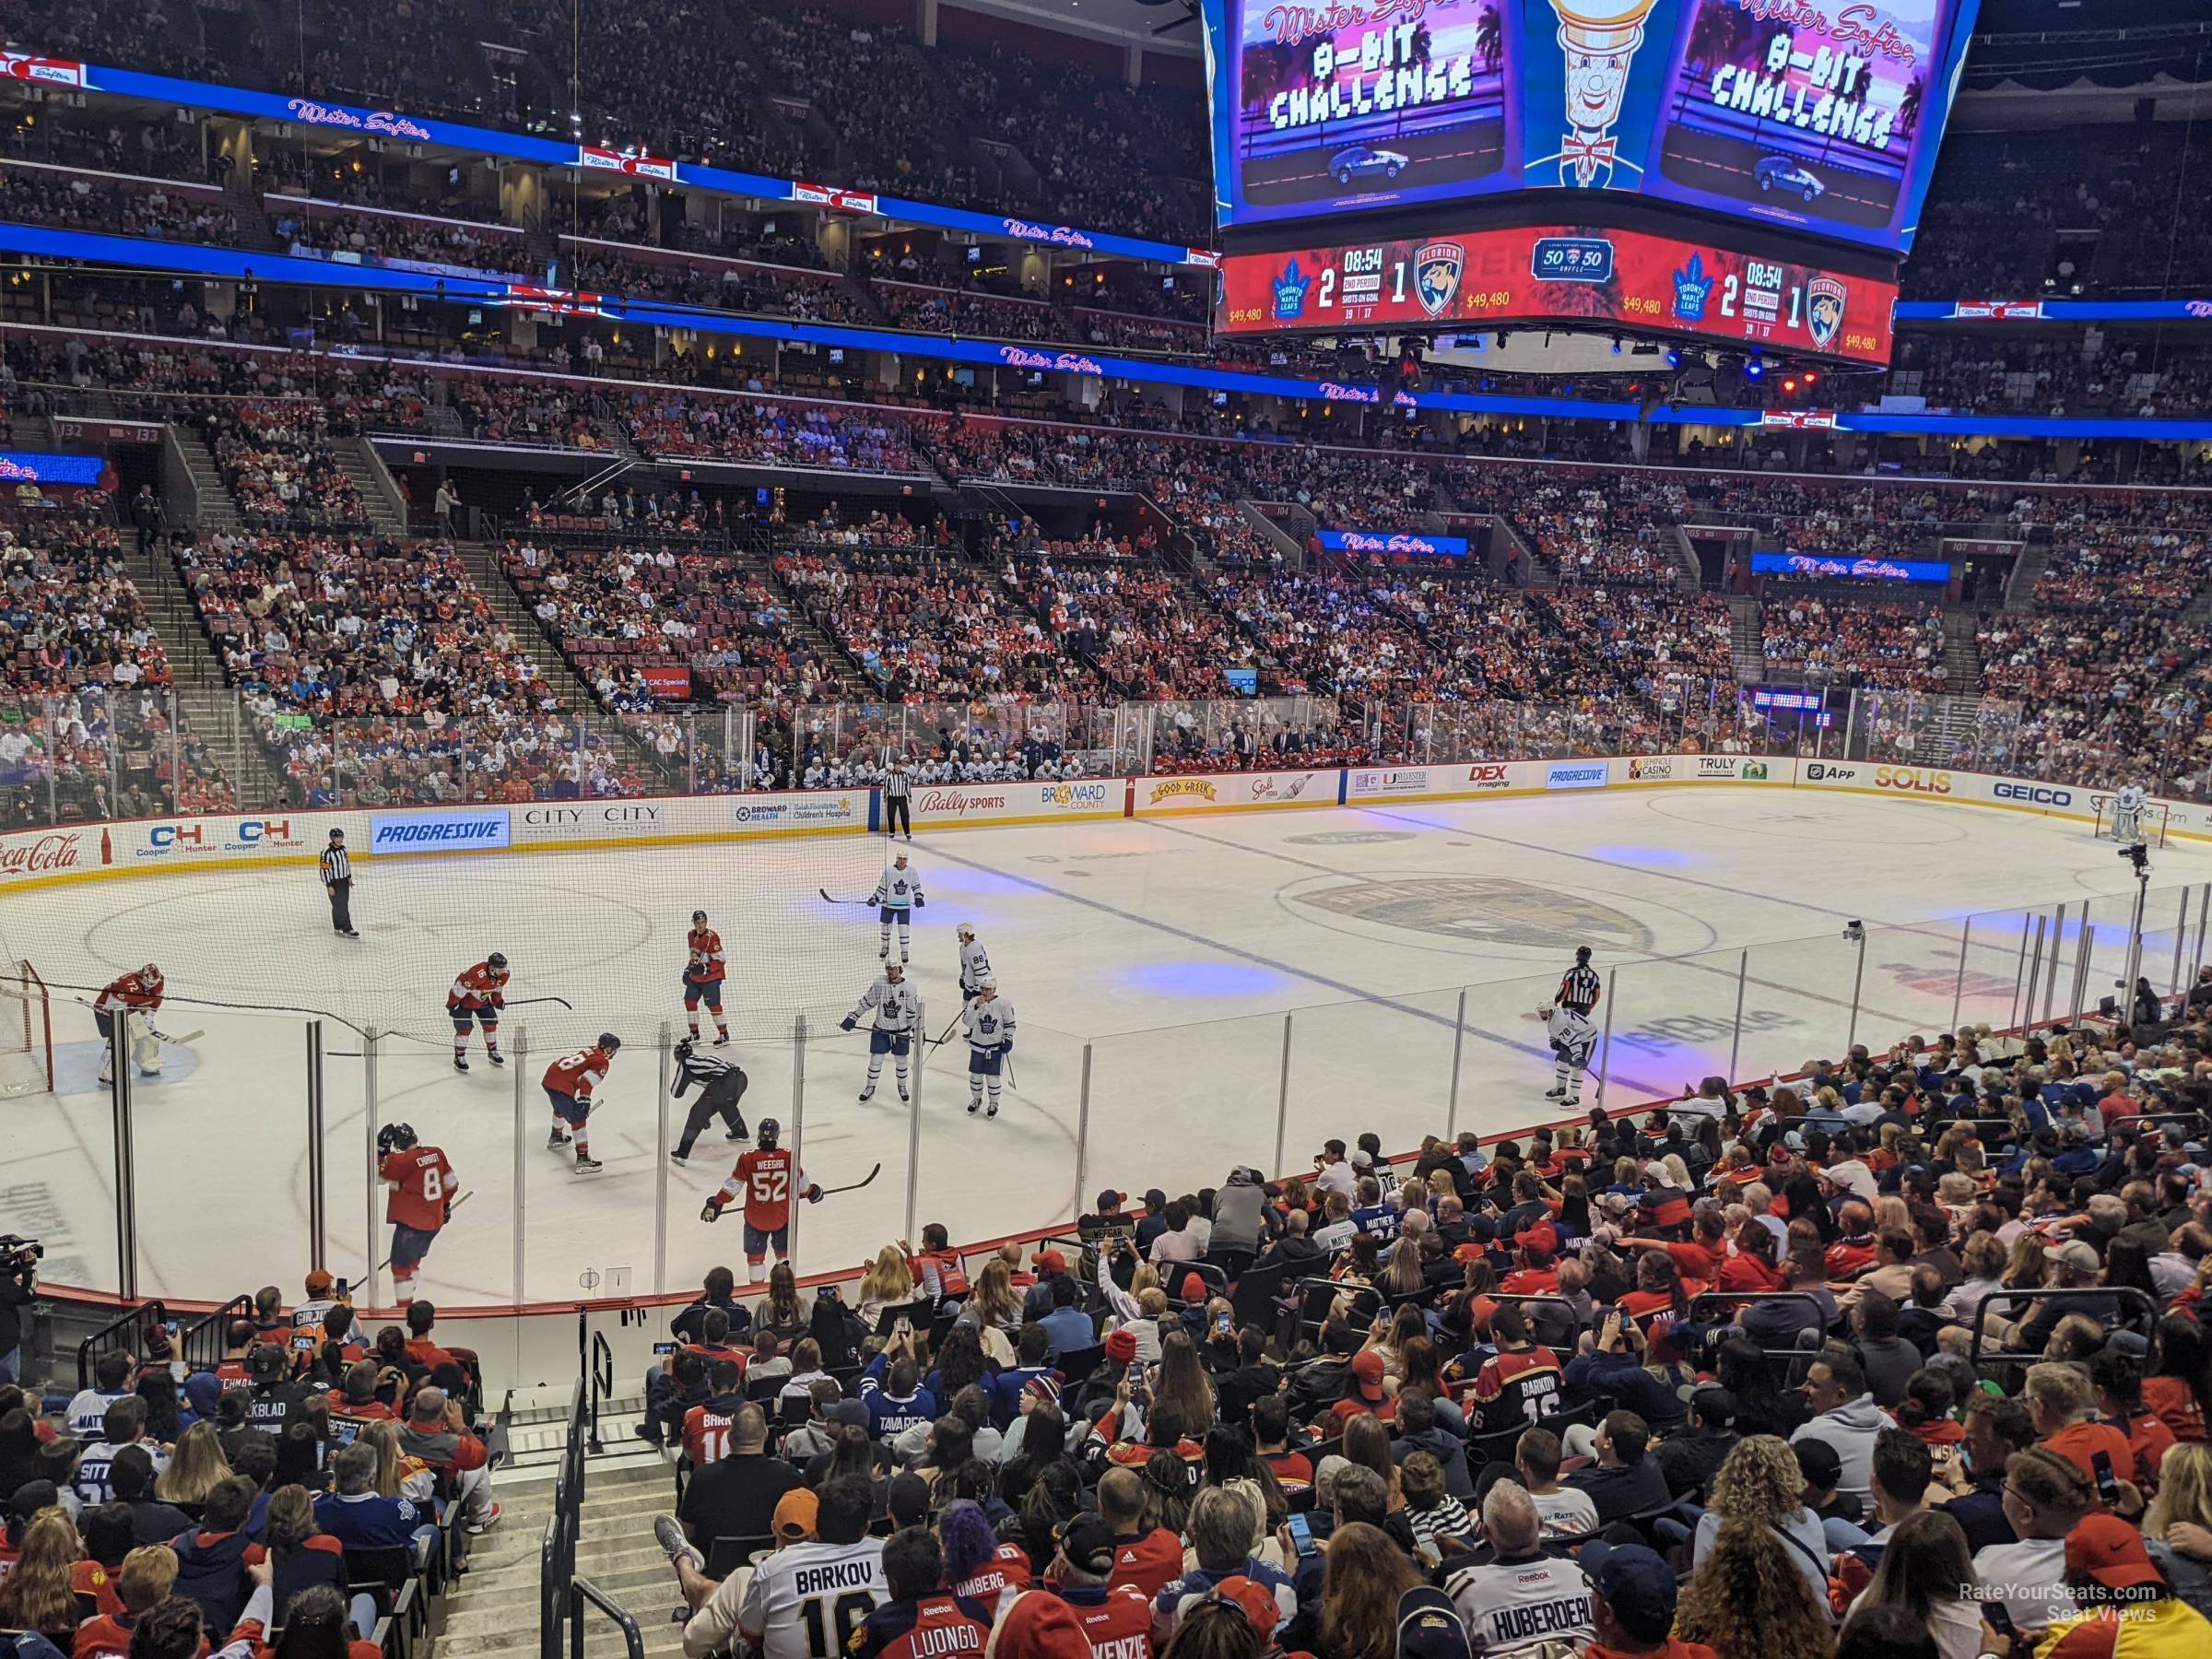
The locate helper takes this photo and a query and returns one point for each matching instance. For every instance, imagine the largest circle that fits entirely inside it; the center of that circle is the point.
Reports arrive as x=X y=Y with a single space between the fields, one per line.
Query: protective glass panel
x=1208 y=1094
x=1382 y=1067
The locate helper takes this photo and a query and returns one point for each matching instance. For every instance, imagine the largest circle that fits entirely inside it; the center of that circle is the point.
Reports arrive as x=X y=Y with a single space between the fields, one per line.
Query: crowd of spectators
x=1877 y=645
x=77 y=202
x=670 y=423
x=371 y=237
x=1902 y=1356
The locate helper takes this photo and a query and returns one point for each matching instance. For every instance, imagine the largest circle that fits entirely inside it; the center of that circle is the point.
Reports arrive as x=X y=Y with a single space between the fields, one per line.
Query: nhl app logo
x=1437 y=268
x=1824 y=309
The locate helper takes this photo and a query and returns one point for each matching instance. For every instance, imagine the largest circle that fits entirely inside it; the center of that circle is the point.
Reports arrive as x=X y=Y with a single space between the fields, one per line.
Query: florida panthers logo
x=1436 y=269
x=1824 y=309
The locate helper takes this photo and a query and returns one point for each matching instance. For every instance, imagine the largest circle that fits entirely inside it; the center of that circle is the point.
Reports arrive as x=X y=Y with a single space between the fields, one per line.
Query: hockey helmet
x=497 y=961
x=683 y=1048
x=988 y=982
x=148 y=974
x=765 y=1136
x=893 y=972
x=698 y=918
x=966 y=932
x=610 y=1042
x=395 y=1138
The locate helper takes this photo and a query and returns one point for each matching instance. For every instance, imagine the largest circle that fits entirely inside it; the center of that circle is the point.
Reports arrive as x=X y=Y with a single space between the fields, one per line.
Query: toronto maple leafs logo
x=1290 y=292
x=1824 y=309
x=1692 y=284
x=1436 y=276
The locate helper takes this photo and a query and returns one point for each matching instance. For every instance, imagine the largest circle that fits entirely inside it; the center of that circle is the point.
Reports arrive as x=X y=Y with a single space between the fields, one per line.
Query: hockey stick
x=948 y=1030
x=523 y=1001
x=855 y=1186
x=449 y=1215
x=827 y=900
x=1011 y=1081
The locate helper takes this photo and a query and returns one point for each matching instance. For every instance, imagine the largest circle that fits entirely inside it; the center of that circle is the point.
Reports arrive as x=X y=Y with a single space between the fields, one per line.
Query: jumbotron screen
x=1820 y=118
x=1571 y=277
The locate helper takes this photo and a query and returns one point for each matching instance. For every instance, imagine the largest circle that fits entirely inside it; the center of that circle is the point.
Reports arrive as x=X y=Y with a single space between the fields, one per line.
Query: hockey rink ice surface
x=1174 y=948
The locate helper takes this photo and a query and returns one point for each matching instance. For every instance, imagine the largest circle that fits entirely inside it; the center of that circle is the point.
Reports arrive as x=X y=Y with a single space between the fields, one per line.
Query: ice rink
x=1173 y=949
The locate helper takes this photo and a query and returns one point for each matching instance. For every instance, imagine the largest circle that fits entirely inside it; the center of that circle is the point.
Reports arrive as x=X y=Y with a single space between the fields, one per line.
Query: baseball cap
x=320 y=1283
x=1049 y=1261
x=908 y=1500
x=1362 y=1160
x=1715 y=1406
x=1121 y=1346
x=796 y=1512
x=1109 y=1198
x=1637 y=1584
x=1087 y=1541
x=1256 y=1601
x=2072 y=1253
x=1817 y=1462
x=1367 y=1366
x=854 y=1412
x=1429 y=1626
x=2110 y=1551
x=268 y=1360
x=1618 y=1204
x=1542 y=1236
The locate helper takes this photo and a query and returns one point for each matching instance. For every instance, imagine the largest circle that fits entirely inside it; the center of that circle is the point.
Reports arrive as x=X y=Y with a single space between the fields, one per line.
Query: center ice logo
x=1290 y=292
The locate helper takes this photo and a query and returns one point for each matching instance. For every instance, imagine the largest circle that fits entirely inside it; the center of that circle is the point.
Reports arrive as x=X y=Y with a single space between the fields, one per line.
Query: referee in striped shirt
x=721 y=1087
x=897 y=783
x=1579 y=987
x=338 y=881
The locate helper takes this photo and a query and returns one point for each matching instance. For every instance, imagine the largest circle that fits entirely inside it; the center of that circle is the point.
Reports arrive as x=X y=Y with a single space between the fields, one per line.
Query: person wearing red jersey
x=766 y=1177
x=1116 y=1619
x=568 y=1084
x=703 y=974
x=920 y=1622
x=477 y=995
x=137 y=993
x=422 y=1197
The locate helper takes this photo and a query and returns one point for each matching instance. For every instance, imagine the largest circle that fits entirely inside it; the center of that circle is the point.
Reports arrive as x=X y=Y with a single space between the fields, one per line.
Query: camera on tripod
x=2137 y=854
x=18 y=1253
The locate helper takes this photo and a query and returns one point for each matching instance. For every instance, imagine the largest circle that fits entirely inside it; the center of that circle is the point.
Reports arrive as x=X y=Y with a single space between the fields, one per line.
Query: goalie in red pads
x=766 y=1177
x=138 y=992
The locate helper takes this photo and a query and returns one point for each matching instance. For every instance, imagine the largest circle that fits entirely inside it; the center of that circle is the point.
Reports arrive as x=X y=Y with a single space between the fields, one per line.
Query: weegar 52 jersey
x=706 y=961
x=482 y=986
x=423 y=1181
x=767 y=1176
x=578 y=1074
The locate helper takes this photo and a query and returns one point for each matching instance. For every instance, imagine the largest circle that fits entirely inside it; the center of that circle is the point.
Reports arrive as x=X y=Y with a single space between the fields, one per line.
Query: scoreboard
x=1578 y=277
x=1821 y=118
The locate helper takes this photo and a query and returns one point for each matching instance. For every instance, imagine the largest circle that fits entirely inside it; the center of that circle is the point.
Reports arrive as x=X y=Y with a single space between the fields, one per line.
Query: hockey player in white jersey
x=976 y=961
x=989 y=1019
x=897 y=896
x=897 y=1008
x=2127 y=813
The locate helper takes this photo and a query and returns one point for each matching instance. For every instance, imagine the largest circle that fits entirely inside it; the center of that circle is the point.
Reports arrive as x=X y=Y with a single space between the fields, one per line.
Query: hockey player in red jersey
x=569 y=1081
x=477 y=995
x=765 y=1177
x=704 y=973
x=138 y=991
x=422 y=1198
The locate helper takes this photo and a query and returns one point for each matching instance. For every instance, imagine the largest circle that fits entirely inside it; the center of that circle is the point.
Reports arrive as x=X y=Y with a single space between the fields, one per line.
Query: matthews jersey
x=808 y=1601
x=766 y=1177
x=990 y=1023
x=1509 y=1605
x=896 y=1006
x=423 y=1181
x=975 y=965
x=129 y=992
x=923 y=1629
x=578 y=1074
x=707 y=961
x=898 y=889
x=482 y=986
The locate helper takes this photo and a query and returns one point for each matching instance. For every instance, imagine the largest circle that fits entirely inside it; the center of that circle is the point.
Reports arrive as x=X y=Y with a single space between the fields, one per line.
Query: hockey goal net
x=2150 y=823
x=26 y=1031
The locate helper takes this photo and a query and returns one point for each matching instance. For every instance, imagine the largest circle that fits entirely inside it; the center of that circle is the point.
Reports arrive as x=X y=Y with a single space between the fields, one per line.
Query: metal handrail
x=556 y=1551
x=116 y=1335
x=2127 y=1296
x=603 y=1385
x=201 y=1343
x=582 y=1592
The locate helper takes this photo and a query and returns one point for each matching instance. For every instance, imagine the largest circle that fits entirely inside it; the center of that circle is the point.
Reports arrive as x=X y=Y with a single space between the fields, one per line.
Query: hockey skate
x=974 y=1104
x=584 y=1166
x=495 y=1056
x=555 y=1141
x=460 y=1063
x=738 y=1134
x=722 y=1041
x=903 y=1096
x=991 y=1111
x=867 y=1094
x=1554 y=1093
x=680 y=1159
x=903 y=958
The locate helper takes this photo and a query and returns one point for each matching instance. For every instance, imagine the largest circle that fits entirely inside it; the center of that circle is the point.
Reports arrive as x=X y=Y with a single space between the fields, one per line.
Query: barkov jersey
x=808 y=1600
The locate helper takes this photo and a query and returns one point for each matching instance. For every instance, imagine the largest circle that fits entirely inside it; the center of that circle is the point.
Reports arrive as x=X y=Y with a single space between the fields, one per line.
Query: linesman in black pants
x=337 y=880
x=898 y=785
x=721 y=1087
